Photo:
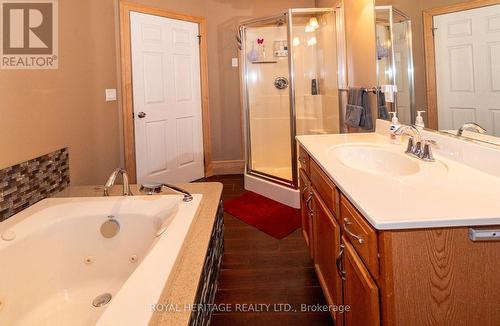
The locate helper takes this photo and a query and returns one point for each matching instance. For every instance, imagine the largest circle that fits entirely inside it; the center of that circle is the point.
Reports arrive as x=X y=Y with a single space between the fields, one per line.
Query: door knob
x=141 y=115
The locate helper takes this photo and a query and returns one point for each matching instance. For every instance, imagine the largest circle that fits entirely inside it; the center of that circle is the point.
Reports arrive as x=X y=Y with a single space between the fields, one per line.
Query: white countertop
x=444 y=193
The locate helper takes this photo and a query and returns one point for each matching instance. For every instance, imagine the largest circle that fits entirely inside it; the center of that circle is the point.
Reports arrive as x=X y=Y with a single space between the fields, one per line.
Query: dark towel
x=354 y=109
x=382 y=106
x=353 y=115
x=358 y=110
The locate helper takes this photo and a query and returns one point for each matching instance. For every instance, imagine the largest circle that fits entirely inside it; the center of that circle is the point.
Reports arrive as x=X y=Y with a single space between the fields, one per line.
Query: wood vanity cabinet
x=433 y=276
x=350 y=285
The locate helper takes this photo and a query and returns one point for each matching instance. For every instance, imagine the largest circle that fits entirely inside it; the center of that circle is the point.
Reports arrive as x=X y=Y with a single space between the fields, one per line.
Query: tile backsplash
x=24 y=184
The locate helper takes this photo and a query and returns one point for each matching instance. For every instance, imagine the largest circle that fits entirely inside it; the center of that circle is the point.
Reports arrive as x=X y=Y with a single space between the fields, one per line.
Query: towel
x=358 y=110
x=382 y=106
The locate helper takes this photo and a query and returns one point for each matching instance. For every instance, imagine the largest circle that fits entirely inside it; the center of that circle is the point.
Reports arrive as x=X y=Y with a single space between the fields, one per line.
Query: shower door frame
x=288 y=15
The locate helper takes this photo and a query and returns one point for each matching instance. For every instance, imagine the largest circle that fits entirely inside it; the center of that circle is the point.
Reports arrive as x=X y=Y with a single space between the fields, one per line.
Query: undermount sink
x=375 y=159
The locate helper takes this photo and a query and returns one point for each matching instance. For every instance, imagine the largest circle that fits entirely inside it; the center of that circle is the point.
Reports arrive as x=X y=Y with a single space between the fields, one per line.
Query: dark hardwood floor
x=259 y=269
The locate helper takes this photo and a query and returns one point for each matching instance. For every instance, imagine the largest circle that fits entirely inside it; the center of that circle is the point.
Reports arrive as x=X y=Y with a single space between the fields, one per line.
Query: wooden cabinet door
x=360 y=291
x=326 y=249
x=306 y=209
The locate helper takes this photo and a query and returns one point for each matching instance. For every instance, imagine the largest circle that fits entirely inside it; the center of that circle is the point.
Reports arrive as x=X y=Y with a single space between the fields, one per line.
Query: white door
x=167 y=99
x=467 y=47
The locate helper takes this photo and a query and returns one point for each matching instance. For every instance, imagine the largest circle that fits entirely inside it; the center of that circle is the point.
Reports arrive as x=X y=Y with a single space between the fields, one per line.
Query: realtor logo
x=29 y=34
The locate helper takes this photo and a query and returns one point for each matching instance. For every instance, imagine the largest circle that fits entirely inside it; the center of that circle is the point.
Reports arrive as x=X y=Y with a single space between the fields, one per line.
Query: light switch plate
x=234 y=62
x=110 y=94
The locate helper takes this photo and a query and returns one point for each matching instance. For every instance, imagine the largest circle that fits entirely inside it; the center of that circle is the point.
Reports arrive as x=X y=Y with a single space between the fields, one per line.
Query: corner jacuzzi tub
x=57 y=268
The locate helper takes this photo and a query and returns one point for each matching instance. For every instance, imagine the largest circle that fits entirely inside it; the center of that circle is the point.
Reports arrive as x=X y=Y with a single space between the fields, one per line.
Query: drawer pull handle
x=338 y=262
x=302 y=160
x=308 y=203
x=349 y=233
x=305 y=190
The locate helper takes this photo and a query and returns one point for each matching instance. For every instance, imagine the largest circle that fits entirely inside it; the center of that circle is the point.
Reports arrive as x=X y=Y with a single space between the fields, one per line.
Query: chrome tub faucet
x=112 y=179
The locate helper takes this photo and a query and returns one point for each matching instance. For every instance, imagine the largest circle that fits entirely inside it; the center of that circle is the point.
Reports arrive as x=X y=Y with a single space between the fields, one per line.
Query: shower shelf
x=262 y=62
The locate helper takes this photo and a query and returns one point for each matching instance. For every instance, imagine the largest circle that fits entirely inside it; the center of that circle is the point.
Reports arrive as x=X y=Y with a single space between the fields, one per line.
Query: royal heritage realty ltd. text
x=248 y=307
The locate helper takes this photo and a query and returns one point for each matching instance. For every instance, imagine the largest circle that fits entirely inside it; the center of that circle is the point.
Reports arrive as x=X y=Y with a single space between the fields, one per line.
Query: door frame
x=126 y=82
x=430 y=55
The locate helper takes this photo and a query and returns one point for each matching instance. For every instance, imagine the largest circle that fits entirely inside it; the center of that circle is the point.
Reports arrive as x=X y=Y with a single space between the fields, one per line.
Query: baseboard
x=228 y=167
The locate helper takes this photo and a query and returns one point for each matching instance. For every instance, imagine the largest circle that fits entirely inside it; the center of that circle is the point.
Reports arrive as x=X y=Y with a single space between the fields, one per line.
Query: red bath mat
x=269 y=216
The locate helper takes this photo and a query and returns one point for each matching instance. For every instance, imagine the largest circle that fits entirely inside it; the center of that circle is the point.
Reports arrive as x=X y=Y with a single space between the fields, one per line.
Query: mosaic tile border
x=24 y=184
x=210 y=276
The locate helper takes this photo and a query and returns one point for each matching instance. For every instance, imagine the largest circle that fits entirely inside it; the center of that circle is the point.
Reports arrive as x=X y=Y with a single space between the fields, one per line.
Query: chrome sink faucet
x=112 y=179
x=470 y=126
x=155 y=188
x=415 y=143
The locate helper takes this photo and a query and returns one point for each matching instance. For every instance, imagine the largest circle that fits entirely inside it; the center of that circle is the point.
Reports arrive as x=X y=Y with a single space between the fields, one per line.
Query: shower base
x=282 y=194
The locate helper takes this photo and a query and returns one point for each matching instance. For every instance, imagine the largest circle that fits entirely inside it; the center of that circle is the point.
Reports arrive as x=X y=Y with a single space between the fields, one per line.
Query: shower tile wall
x=24 y=184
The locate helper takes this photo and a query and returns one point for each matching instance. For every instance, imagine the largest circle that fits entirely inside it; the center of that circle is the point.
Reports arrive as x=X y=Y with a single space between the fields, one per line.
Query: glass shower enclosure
x=290 y=80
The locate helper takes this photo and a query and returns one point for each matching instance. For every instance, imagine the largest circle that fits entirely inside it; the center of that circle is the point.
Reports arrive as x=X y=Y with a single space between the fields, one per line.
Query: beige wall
x=43 y=110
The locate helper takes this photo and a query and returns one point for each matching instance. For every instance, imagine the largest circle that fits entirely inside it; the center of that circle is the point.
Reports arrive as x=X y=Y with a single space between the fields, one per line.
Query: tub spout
x=154 y=188
x=112 y=179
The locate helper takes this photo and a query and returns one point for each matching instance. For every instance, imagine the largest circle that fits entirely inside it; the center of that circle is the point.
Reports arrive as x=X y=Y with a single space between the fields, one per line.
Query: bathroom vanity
x=390 y=234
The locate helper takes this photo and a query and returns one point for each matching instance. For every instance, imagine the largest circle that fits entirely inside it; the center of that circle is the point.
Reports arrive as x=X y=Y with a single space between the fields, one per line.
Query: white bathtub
x=59 y=261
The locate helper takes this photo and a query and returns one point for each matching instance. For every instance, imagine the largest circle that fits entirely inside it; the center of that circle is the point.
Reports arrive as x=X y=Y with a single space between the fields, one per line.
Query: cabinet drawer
x=361 y=234
x=325 y=188
x=304 y=160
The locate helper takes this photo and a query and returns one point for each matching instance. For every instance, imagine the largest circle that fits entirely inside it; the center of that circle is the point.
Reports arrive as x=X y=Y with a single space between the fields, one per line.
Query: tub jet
x=101 y=300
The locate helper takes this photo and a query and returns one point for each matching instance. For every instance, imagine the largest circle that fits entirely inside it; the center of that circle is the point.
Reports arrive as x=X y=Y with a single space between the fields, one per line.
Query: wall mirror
x=395 y=61
x=452 y=70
